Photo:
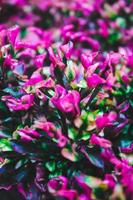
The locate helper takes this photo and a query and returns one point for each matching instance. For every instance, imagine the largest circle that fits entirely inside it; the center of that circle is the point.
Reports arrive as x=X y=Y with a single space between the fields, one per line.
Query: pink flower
x=12 y=34
x=39 y=59
x=114 y=58
x=127 y=179
x=103 y=28
x=52 y=131
x=100 y=141
x=58 y=187
x=46 y=126
x=53 y=185
x=66 y=101
x=56 y=59
x=85 y=187
x=67 y=49
x=48 y=83
x=34 y=79
x=28 y=134
x=105 y=120
x=94 y=80
x=86 y=60
x=24 y=103
x=110 y=180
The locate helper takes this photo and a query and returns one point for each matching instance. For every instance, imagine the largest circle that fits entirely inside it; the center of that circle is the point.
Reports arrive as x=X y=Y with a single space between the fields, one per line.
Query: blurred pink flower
x=94 y=80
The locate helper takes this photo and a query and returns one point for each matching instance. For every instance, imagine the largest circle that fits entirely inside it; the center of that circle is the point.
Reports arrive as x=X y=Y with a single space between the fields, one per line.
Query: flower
x=56 y=59
x=39 y=59
x=12 y=34
x=67 y=49
x=100 y=141
x=24 y=103
x=58 y=187
x=94 y=80
x=66 y=99
x=28 y=134
x=105 y=120
x=66 y=102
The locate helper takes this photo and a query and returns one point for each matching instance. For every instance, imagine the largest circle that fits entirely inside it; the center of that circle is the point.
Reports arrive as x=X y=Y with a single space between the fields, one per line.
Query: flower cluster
x=66 y=99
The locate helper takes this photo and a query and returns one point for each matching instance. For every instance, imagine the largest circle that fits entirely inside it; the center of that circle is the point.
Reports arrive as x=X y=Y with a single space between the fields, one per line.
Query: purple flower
x=67 y=102
x=24 y=103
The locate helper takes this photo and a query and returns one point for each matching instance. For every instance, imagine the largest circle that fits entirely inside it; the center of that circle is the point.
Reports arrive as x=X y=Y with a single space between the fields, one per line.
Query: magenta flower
x=100 y=141
x=37 y=82
x=59 y=188
x=67 y=49
x=66 y=102
x=48 y=83
x=127 y=179
x=52 y=131
x=109 y=156
x=12 y=34
x=84 y=186
x=105 y=120
x=45 y=125
x=66 y=99
x=39 y=59
x=87 y=60
x=114 y=58
x=94 y=80
x=110 y=180
x=56 y=59
x=28 y=134
x=24 y=103
x=70 y=194
x=57 y=184
x=34 y=79
x=103 y=31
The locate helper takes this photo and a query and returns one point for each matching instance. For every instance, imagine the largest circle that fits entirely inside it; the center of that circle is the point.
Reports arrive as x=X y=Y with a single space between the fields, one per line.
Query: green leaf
x=5 y=145
x=72 y=133
x=50 y=166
